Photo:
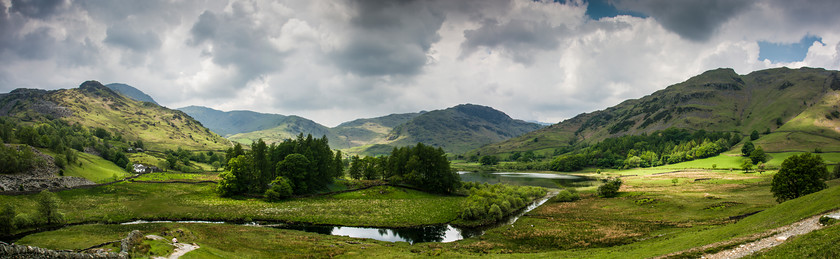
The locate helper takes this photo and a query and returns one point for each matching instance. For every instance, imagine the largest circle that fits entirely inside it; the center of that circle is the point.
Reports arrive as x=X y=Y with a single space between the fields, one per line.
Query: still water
x=547 y=180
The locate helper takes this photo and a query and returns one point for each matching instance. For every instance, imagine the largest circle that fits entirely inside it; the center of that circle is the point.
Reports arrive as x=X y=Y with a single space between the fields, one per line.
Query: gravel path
x=180 y=248
x=782 y=234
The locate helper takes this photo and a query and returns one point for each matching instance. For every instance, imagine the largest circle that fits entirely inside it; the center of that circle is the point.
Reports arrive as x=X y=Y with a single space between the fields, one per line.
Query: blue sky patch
x=778 y=52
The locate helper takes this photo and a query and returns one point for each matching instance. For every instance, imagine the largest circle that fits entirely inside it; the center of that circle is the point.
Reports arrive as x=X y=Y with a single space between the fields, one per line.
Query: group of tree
x=61 y=138
x=46 y=213
x=489 y=203
x=421 y=166
x=668 y=146
x=182 y=160
x=305 y=164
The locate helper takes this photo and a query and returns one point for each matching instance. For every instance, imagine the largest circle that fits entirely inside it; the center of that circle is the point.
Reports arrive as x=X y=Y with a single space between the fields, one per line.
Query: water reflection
x=440 y=233
x=528 y=179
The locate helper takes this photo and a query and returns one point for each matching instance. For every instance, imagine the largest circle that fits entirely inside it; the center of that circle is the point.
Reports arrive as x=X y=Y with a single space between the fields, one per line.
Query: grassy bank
x=377 y=206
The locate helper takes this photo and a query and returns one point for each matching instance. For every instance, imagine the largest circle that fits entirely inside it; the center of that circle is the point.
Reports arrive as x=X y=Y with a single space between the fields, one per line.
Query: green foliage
x=48 y=204
x=798 y=176
x=14 y=159
x=489 y=160
x=7 y=216
x=609 y=188
x=754 y=135
x=306 y=162
x=826 y=221
x=567 y=195
x=668 y=146
x=747 y=165
x=489 y=203
x=747 y=148
x=279 y=189
x=757 y=156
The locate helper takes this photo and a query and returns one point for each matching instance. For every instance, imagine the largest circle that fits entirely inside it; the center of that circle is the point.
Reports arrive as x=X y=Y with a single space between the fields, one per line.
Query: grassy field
x=818 y=244
x=378 y=206
x=94 y=168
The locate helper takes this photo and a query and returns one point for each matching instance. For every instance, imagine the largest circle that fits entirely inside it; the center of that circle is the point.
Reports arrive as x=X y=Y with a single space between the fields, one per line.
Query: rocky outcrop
x=18 y=251
x=42 y=176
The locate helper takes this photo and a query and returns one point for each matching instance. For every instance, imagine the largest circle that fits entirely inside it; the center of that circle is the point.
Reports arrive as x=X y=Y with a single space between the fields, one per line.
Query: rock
x=781 y=238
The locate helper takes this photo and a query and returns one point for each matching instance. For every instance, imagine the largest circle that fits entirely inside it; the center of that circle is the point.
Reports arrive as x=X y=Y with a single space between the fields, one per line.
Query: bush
x=798 y=176
x=568 y=195
x=825 y=221
x=610 y=188
x=495 y=212
x=279 y=189
x=7 y=223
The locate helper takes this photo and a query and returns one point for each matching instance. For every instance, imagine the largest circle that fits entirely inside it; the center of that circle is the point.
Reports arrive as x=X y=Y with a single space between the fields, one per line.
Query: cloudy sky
x=334 y=61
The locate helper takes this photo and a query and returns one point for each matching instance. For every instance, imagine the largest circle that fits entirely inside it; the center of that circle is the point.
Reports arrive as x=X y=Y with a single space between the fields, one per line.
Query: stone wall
x=18 y=251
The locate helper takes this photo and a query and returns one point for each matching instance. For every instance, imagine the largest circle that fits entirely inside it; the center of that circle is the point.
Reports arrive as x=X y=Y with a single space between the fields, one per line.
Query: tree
x=747 y=165
x=748 y=148
x=295 y=167
x=356 y=167
x=48 y=208
x=609 y=188
x=279 y=189
x=754 y=135
x=798 y=176
x=7 y=216
x=757 y=156
x=216 y=165
x=489 y=160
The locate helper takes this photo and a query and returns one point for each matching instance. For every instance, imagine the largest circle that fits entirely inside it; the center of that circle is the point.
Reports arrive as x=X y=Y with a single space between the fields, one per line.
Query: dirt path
x=180 y=248
x=782 y=234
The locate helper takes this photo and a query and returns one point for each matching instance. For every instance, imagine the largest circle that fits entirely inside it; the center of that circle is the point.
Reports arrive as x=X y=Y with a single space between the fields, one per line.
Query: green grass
x=377 y=206
x=167 y=176
x=96 y=169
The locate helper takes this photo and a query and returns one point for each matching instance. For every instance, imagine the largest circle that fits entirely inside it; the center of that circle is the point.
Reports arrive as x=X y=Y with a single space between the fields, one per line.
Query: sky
x=337 y=60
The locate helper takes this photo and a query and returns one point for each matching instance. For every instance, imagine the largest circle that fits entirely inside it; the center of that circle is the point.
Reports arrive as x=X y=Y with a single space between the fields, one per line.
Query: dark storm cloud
x=36 y=8
x=519 y=37
x=695 y=20
x=234 y=39
x=389 y=37
x=126 y=36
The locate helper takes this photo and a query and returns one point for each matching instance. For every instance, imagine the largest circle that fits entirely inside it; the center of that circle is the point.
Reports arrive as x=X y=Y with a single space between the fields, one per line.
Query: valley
x=465 y=181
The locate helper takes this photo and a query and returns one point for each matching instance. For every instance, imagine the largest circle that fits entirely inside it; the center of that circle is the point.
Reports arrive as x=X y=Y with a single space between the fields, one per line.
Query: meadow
x=661 y=210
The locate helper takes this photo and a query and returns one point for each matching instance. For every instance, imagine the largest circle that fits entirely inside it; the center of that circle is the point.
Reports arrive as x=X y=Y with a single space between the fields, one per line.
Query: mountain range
x=456 y=129
x=794 y=109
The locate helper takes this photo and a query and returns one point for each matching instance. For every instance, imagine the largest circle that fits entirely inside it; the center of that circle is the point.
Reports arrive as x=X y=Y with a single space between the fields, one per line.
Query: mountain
x=131 y=92
x=248 y=126
x=459 y=129
x=361 y=132
x=94 y=105
x=799 y=107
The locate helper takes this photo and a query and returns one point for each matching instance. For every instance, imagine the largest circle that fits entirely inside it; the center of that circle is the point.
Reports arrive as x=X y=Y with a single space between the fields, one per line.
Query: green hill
x=248 y=126
x=362 y=132
x=94 y=105
x=459 y=129
x=797 y=106
x=131 y=92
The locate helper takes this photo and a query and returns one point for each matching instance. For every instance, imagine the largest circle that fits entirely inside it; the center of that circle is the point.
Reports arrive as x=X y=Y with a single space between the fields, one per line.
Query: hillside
x=131 y=92
x=797 y=106
x=361 y=132
x=248 y=126
x=459 y=129
x=94 y=105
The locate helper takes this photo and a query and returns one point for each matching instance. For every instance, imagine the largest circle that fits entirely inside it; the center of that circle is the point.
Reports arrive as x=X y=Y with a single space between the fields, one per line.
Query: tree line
x=668 y=146
x=296 y=166
x=421 y=166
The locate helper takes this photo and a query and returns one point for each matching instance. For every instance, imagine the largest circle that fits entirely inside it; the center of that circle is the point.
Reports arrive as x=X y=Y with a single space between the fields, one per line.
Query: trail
x=180 y=248
x=773 y=238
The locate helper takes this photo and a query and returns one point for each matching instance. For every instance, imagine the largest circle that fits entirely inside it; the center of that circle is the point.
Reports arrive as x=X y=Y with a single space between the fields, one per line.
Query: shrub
x=495 y=212
x=825 y=221
x=279 y=189
x=609 y=188
x=566 y=196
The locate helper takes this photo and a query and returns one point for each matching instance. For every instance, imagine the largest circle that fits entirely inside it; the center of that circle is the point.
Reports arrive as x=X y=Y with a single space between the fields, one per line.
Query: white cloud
x=334 y=61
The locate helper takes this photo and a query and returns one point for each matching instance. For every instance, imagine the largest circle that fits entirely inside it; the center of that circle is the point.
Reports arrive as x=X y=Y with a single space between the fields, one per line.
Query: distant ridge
x=131 y=92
